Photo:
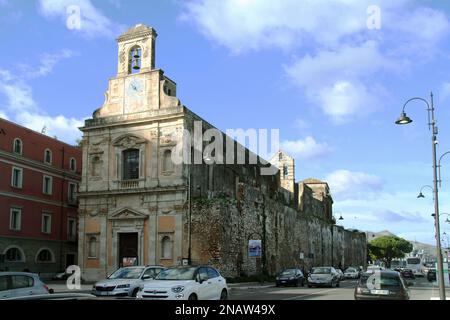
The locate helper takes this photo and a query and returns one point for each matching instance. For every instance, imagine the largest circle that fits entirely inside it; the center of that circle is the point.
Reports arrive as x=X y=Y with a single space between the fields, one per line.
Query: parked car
x=323 y=276
x=407 y=274
x=389 y=286
x=292 y=276
x=351 y=273
x=341 y=274
x=186 y=283
x=57 y=296
x=431 y=274
x=19 y=284
x=125 y=281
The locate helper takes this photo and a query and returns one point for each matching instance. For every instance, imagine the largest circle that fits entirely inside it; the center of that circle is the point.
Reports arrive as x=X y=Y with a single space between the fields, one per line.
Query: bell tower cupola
x=136 y=50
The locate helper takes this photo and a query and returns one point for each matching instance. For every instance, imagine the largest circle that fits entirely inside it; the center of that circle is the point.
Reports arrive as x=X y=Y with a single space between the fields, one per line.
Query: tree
x=387 y=248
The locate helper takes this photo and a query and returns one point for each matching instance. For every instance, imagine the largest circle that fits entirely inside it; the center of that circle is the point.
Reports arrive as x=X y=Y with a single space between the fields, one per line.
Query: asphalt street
x=420 y=290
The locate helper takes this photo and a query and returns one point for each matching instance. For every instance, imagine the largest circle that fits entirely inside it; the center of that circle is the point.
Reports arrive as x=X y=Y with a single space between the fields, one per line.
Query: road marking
x=308 y=294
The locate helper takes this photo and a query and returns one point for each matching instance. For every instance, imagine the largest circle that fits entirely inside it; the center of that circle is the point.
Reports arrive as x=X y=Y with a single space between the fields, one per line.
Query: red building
x=39 y=179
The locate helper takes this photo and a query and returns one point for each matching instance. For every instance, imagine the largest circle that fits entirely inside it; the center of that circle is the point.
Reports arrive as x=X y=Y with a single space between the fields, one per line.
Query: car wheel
x=337 y=284
x=193 y=296
x=224 y=295
x=277 y=285
x=309 y=286
x=297 y=283
x=303 y=283
x=135 y=291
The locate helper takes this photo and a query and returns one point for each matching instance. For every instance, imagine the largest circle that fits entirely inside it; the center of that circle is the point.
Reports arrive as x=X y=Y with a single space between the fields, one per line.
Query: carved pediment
x=128 y=141
x=127 y=213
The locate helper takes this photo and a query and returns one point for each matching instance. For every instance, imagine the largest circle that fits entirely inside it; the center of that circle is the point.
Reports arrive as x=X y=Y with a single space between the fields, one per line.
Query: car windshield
x=126 y=273
x=351 y=270
x=384 y=280
x=321 y=270
x=288 y=272
x=176 y=274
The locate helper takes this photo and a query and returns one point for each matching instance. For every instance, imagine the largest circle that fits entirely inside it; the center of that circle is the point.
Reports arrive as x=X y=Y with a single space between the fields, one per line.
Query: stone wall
x=223 y=222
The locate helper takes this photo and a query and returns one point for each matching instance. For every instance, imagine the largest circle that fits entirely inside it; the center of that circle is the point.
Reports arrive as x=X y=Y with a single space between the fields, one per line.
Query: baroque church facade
x=136 y=206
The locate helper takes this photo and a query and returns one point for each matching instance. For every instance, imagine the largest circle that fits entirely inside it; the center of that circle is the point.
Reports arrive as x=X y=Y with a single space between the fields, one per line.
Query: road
x=420 y=290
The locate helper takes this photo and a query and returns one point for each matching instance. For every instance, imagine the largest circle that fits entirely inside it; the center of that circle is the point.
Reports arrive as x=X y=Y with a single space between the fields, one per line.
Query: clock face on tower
x=135 y=88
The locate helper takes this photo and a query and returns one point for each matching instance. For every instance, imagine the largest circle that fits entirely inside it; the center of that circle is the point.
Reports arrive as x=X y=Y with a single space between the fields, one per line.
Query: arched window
x=45 y=255
x=285 y=171
x=17 y=146
x=134 y=60
x=14 y=254
x=130 y=164
x=92 y=247
x=167 y=164
x=166 y=248
x=73 y=164
x=48 y=156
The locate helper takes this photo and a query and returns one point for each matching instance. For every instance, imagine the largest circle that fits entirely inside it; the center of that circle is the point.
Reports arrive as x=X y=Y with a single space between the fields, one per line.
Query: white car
x=351 y=273
x=20 y=284
x=125 y=281
x=186 y=283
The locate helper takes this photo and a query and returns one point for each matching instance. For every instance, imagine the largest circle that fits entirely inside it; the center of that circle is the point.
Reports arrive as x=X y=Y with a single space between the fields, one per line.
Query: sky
x=332 y=76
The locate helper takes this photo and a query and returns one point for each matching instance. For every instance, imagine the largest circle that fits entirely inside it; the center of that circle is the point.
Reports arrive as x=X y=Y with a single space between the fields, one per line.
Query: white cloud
x=306 y=148
x=22 y=108
x=3 y=115
x=242 y=25
x=344 y=100
x=346 y=184
x=63 y=128
x=47 y=63
x=341 y=52
x=93 y=23
x=335 y=79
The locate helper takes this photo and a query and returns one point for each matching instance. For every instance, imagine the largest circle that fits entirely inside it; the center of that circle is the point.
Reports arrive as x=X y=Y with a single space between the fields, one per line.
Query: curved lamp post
x=420 y=195
x=404 y=119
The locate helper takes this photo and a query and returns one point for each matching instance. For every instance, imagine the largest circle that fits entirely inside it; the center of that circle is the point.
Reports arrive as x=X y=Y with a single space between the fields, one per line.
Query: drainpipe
x=61 y=227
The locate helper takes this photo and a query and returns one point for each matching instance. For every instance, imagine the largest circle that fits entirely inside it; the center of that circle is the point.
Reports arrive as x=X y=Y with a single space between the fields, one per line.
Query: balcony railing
x=129 y=184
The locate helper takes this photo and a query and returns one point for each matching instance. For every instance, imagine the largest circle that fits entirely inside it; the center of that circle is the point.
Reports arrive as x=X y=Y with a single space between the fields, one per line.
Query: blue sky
x=312 y=69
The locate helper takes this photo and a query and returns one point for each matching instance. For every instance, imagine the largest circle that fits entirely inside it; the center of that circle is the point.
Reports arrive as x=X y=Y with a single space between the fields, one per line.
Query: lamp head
x=340 y=218
x=420 y=195
x=446 y=220
x=403 y=119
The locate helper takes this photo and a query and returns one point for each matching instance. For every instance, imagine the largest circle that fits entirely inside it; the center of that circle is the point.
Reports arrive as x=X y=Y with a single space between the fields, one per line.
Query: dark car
x=407 y=274
x=431 y=275
x=382 y=285
x=290 y=277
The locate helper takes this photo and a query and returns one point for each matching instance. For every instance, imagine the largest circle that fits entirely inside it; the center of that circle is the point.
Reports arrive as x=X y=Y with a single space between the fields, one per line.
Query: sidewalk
x=61 y=286
x=250 y=285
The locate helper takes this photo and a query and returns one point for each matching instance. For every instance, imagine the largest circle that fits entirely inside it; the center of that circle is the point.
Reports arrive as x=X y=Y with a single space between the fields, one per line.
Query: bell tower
x=136 y=50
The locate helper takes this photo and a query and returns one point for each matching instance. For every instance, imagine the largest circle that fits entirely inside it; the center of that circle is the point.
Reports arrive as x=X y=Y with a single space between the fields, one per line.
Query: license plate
x=103 y=293
x=381 y=292
x=283 y=281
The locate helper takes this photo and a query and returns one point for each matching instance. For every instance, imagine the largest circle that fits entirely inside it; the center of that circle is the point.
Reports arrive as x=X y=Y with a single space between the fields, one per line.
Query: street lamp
x=439 y=166
x=420 y=195
x=404 y=119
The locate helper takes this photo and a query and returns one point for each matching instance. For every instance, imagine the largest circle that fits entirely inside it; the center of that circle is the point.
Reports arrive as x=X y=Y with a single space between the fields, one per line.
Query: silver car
x=20 y=284
x=323 y=276
x=126 y=281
